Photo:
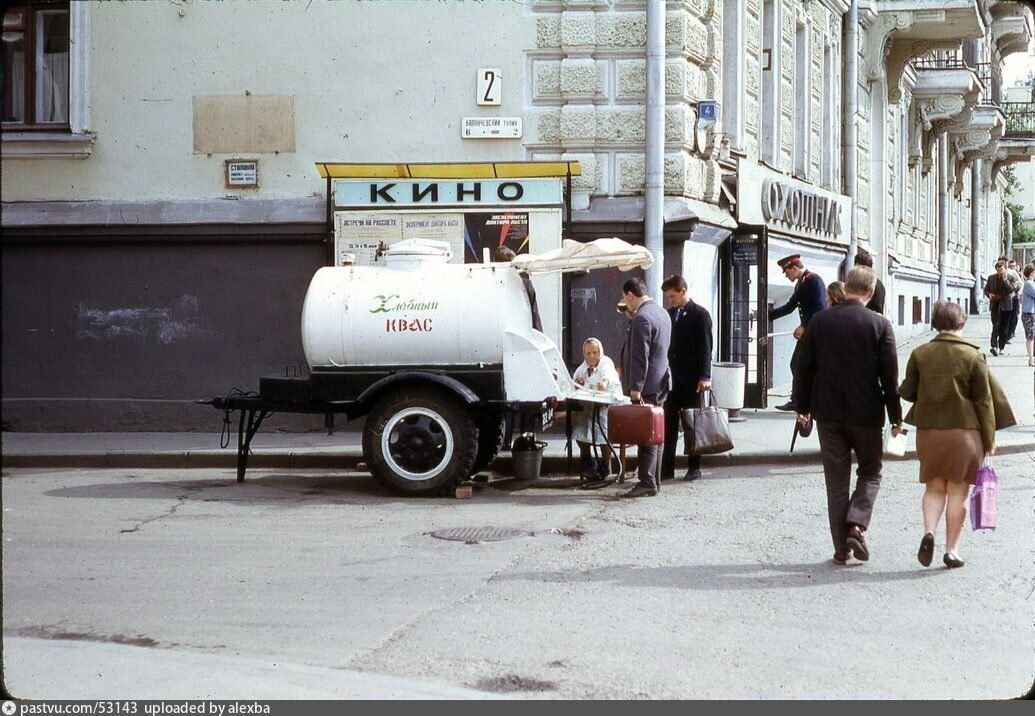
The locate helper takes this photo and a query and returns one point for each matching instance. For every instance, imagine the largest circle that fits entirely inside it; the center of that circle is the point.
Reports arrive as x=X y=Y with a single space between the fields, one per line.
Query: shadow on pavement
x=292 y=489
x=727 y=577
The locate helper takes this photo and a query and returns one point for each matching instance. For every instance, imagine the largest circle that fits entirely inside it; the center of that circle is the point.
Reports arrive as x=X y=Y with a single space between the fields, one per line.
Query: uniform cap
x=788 y=260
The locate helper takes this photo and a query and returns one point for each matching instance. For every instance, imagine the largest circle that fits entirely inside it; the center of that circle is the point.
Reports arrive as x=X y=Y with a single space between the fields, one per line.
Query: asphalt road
x=310 y=584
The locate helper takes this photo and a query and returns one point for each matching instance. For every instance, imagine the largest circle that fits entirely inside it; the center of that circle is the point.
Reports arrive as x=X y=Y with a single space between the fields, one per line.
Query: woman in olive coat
x=957 y=407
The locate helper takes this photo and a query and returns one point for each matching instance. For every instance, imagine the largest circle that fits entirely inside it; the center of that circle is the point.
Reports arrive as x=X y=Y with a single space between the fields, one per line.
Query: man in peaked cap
x=809 y=297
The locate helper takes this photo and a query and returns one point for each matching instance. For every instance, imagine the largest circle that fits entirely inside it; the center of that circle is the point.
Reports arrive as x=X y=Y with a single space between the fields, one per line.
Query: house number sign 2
x=490 y=86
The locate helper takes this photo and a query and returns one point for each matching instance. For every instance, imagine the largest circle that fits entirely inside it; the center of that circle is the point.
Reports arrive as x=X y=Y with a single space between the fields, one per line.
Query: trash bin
x=728 y=387
x=527 y=456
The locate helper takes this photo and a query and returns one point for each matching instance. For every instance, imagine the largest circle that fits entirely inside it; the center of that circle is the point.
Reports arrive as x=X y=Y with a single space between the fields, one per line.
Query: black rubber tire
x=491 y=431
x=432 y=417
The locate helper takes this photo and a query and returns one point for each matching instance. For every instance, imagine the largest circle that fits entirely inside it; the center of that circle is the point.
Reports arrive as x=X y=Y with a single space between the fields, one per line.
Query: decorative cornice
x=1008 y=151
x=978 y=140
x=838 y=7
x=943 y=99
x=906 y=29
x=1012 y=30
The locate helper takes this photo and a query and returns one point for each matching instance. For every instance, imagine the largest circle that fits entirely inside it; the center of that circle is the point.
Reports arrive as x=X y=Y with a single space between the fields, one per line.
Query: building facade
x=139 y=275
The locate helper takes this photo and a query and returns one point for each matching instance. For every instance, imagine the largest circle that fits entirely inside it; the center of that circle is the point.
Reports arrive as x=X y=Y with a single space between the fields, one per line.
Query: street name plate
x=491 y=128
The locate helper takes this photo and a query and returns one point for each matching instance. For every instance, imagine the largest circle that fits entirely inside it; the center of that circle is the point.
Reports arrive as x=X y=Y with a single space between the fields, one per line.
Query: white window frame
x=802 y=97
x=772 y=38
x=830 y=120
x=902 y=168
x=734 y=55
x=77 y=141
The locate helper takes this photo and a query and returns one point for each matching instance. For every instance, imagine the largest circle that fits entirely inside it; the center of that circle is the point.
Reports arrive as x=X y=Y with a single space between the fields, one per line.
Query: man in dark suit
x=875 y=304
x=690 y=361
x=809 y=297
x=645 y=373
x=847 y=379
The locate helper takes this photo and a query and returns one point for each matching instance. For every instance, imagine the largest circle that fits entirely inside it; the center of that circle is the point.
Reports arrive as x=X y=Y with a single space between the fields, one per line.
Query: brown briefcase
x=636 y=424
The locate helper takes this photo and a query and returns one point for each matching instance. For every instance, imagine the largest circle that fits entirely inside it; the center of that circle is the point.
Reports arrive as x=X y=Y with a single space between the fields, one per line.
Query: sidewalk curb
x=355 y=463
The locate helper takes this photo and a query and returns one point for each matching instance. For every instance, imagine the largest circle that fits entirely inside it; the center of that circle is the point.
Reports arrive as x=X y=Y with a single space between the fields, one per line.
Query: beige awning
x=578 y=256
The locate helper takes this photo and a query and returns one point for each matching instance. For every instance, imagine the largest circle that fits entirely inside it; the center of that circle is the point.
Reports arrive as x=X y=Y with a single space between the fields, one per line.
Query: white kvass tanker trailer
x=434 y=354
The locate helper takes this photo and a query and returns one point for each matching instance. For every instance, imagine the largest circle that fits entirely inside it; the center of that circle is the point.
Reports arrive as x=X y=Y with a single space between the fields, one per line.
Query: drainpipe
x=654 y=198
x=975 y=235
x=850 y=126
x=943 y=216
x=1008 y=223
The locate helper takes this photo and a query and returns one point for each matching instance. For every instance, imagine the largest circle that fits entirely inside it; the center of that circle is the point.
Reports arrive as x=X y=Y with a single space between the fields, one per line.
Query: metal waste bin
x=728 y=387
x=527 y=457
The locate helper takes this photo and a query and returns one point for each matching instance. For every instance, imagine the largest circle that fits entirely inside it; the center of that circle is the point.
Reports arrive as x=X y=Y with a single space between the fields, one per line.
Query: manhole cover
x=478 y=534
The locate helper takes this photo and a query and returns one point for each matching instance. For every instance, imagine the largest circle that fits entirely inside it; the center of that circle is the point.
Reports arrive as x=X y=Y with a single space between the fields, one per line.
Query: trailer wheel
x=491 y=431
x=420 y=442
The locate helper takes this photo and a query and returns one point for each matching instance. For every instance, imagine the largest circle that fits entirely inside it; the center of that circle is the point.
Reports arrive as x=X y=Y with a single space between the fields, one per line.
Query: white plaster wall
x=375 y=82
x=701 y=271
x=1024 y=194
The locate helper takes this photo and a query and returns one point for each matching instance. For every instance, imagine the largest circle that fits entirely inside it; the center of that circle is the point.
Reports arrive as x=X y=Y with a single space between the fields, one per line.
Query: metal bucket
x=528 y=462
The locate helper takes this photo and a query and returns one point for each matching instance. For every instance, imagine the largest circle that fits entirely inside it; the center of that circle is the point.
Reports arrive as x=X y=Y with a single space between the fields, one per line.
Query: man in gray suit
x=645 y=373
x=847 y=379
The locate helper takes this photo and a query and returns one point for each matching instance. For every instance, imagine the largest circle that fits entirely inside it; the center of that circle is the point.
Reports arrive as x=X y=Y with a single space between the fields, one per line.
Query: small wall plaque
x=491 y=128
x=241 y=173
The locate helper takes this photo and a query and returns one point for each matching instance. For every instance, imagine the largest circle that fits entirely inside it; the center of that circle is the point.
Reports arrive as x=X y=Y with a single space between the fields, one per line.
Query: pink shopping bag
x=983 y=499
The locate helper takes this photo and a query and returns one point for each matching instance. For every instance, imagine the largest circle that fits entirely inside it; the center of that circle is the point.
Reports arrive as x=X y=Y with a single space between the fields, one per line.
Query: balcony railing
x=947 y=61
x=1020 y=119
x=991 y=92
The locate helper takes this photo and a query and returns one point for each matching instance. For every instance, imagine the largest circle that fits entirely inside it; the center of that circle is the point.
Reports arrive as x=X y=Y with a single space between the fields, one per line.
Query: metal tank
x=413 y=308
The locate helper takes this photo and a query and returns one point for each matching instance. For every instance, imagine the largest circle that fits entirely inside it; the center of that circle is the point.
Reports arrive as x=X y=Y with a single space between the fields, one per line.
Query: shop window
x=918 y=310
x=927 y=309
x=901 y=310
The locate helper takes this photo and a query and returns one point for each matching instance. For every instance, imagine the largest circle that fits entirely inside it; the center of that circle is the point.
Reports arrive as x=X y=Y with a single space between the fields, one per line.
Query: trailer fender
x=368 y=397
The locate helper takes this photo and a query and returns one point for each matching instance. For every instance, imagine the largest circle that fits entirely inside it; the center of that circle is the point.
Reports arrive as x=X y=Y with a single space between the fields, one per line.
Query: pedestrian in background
x=1013 y=272
x=875 y=304
x=999 y=290
x=690 y=362
x=836 y=293
x=645 y=373
x=847 y=379
x=1028 y=312
x=809 y=298
x=956 y=406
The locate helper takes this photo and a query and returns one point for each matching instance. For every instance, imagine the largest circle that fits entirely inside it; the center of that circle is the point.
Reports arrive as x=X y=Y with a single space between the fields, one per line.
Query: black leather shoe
x=952 y=561
x=926 y=553
x=789 y=405
x=857 y=543
x=641 y=490
x=692 y=475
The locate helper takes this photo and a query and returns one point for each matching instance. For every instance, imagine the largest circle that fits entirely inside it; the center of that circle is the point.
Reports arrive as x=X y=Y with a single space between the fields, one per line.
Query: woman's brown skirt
x=952 y=455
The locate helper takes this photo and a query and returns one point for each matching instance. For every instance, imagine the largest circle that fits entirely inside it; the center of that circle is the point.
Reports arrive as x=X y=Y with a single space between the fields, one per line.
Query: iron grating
x=478 y=534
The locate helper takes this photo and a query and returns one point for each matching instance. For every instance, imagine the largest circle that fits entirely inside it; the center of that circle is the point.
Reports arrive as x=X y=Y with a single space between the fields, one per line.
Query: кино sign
x=408 y=192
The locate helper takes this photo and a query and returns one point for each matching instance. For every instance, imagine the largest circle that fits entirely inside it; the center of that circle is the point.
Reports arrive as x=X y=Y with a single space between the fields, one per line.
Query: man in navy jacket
x=809 y=297
x=690 y=361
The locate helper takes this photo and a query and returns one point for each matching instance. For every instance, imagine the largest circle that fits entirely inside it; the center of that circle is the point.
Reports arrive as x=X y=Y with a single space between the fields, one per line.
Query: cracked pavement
x=308 y=584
